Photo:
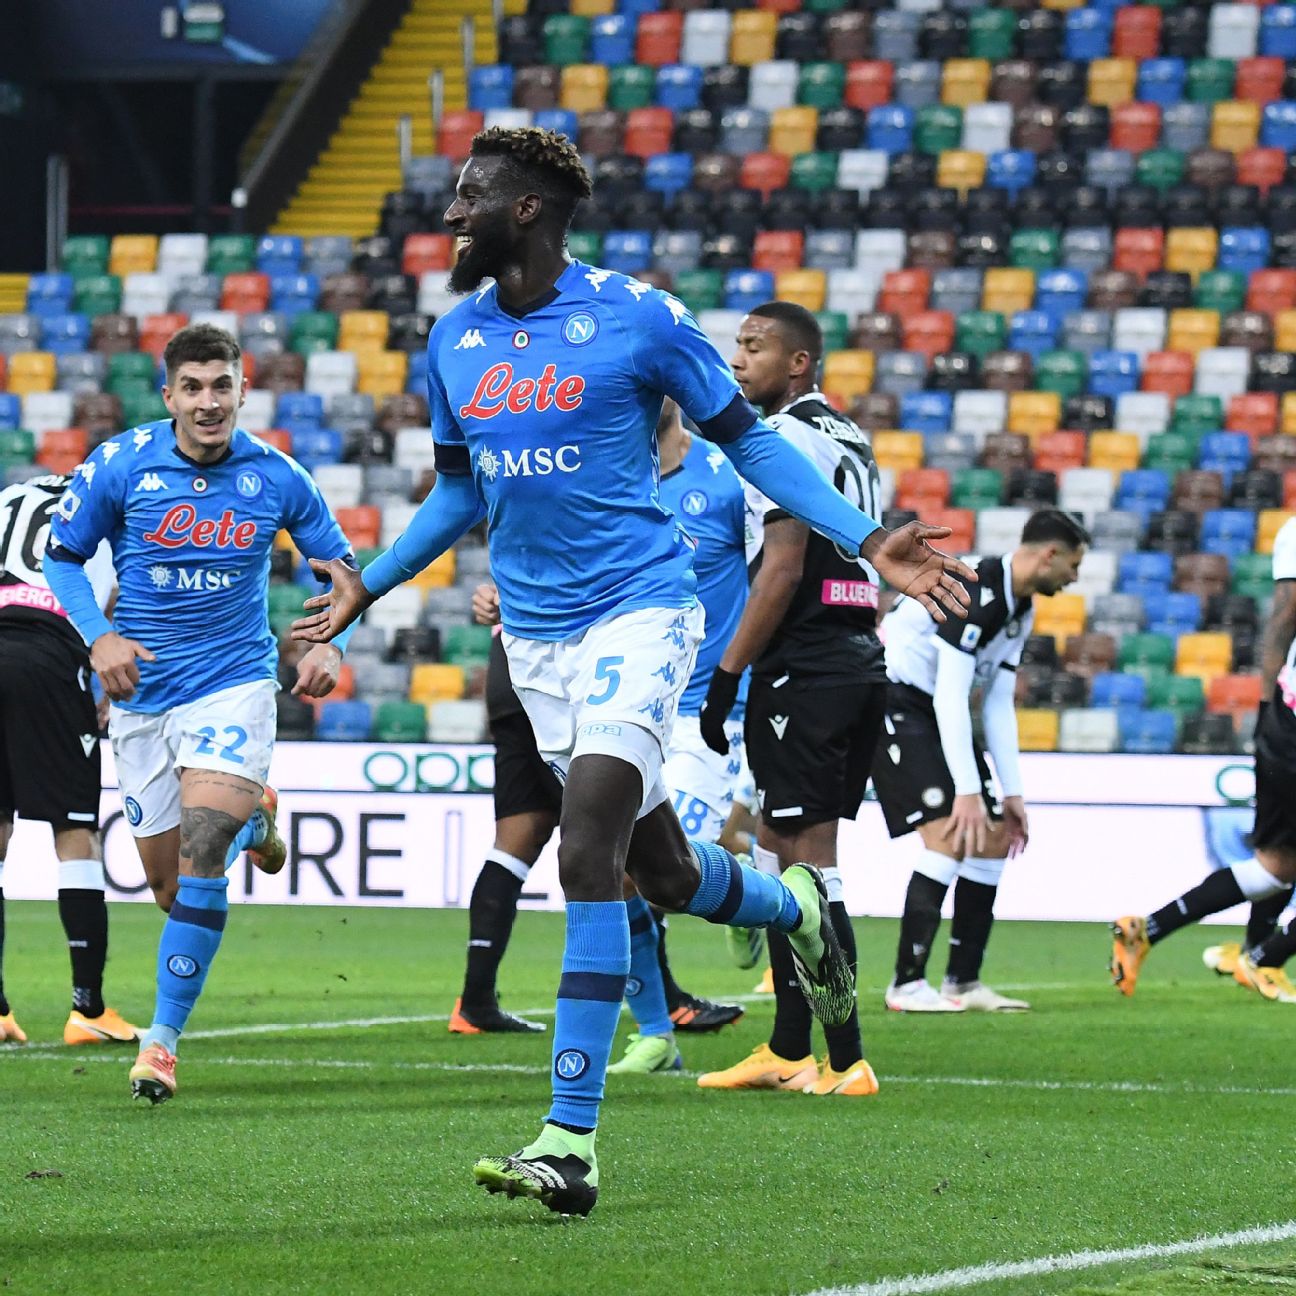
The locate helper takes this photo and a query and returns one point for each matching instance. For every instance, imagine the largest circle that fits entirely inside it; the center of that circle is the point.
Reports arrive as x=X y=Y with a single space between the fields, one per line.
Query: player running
x=809 y=634
x=190 y=506
x=545 y=386
x=931 y=774
x=699 y=486
x=1272 y=870
x=49 y=749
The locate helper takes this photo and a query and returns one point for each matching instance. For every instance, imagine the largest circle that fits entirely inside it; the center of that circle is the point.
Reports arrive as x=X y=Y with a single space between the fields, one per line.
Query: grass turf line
x=289 y=1174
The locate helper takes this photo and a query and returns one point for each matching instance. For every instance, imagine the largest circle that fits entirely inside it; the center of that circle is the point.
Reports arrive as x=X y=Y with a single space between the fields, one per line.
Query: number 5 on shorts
x=604 y=671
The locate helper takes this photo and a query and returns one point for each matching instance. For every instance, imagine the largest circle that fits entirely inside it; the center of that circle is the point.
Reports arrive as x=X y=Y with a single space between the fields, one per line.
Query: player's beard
x=486 y=256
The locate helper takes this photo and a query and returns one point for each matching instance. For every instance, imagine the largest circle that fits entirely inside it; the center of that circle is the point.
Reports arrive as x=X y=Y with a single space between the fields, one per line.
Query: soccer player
x=700 y=487
x=931 y=774
x=190 y=506
x=528 y=800
x=809 y=634
x=1272 y=869
x=545 y=385
x=49 y=750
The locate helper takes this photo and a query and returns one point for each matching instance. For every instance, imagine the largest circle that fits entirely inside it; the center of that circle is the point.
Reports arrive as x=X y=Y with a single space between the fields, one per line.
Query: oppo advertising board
x=410 y=825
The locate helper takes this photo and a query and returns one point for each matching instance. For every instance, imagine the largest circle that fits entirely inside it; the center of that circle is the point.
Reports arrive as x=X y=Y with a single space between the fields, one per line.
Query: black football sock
x=491 y=912
x=918 y=927
x=674 y=995
x=970 y=929
x=1219 y=891
x=844 y=1046
x=1262 y=921
x=1280 y=947
x=84 y=915
x=4 y=1003
x=790 y=1037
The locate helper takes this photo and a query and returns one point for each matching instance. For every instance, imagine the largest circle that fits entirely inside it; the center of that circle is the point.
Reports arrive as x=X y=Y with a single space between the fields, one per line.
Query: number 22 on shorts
x=235 y=737
x=605 y=672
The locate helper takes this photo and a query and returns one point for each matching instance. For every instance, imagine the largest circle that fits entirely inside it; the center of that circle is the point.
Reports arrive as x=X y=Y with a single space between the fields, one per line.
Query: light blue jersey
x=191 y=545
x=554 y=412
x=706 y=495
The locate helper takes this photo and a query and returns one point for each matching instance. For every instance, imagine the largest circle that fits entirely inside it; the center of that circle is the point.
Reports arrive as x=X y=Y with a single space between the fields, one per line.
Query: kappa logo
x=471 y=338
x=150 y=482
x=636 y=288
x=597 y=278
x=676 y=307
x=141 y=438
x=779 y=724
x=110 y=448
x=86 y=472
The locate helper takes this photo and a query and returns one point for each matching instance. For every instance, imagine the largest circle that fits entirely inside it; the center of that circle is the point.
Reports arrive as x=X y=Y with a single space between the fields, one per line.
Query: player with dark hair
x=931 y=774
x=190 y=506
x=809 y=634
x=1272 y=869
x=49 y=750
x=545 y=387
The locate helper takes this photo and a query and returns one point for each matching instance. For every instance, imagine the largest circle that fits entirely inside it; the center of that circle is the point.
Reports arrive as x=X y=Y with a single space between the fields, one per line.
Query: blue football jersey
x=191 y=545
x=554 y=411
x=706 y=495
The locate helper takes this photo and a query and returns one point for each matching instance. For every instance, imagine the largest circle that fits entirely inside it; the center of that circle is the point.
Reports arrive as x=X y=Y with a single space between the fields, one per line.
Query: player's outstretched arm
x=451 y=509
x=904 y=557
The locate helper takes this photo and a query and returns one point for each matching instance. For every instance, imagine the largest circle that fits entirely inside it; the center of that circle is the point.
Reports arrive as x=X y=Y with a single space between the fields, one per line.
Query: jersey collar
x=561 y=284
x=215 y=463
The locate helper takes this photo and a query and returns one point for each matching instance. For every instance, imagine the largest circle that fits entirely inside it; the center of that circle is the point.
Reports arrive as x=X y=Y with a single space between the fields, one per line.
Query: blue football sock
x=596 y=962
x=190 y=939
x=738 y=895
x=252 y=833
x=645 y=989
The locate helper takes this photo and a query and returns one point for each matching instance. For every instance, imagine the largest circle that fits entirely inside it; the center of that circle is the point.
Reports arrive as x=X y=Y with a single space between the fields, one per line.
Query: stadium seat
x=343 y=722
x=1037 y=730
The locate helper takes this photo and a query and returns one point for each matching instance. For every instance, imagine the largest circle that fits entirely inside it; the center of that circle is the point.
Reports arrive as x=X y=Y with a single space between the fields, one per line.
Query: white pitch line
x=975 y=1275
x=58 y=1054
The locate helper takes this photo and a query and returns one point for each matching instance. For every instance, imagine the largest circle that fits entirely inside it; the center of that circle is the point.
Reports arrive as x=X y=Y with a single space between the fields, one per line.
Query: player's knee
x=206 y=835
x=164 y=894
x=671 y=891
x=1280 y=861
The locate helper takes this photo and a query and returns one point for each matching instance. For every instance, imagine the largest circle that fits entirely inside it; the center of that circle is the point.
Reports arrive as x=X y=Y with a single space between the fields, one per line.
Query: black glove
x=721 y=695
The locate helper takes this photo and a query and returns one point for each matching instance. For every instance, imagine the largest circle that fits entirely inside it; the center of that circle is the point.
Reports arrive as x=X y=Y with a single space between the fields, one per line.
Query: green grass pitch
x=301 y=1158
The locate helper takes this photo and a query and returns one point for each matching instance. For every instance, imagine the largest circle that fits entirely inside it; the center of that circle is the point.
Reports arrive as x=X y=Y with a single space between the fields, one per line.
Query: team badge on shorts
x=571 y=1064
x=579 y=329
x=248 y=484
x=134 y=814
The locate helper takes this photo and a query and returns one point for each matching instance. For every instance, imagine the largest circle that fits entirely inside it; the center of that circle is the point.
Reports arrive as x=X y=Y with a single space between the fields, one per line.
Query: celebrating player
x=1273 y=868
x=700 y=487
x=931 y=775
x=809 y=633
x=190 y=506
x=528 y=800
x=545 y=386
x=45 y=691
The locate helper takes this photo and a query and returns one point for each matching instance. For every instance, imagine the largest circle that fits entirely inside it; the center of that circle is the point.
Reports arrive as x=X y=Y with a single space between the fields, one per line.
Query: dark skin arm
x=1279 y=631
x=782 y=563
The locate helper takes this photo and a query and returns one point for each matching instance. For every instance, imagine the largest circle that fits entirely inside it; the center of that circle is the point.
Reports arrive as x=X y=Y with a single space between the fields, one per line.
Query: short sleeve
x=674 y=357
x=1284 y=552
x=985 y=618
x=89 y=510
x=307 y=518
x=447 y=436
